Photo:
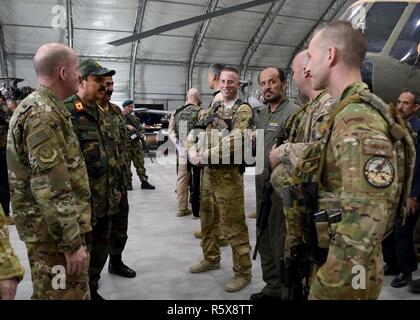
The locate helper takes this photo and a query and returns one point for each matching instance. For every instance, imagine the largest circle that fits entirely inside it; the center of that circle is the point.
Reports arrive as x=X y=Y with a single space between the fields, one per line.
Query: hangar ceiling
x=163 y=65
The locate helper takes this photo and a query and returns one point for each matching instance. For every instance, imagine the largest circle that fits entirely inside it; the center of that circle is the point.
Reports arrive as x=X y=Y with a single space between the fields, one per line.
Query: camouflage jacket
x=305 y=128
x=361 y=180
x=227 y=144
x=100 y=150
x=10 y=266
x=134 y=121
x=47 y=174
x=5 y=115
x=189 y=113
x=116 y=118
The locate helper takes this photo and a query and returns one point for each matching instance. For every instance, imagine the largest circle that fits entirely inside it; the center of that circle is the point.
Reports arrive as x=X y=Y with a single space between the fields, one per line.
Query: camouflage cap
x=94 y=68
x=127 y=102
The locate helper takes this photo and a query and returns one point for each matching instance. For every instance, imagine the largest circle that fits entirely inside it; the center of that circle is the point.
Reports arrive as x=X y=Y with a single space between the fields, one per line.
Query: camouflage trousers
x=43 y=257
x=119 y=226
x=182 y=186
x=222 y=204
x=135 y=153
x=98 y=245
x=374 y=280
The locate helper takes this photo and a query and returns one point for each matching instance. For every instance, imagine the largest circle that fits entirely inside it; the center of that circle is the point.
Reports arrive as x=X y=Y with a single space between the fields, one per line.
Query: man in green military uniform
x=135 y=152
x=224 y=187
x=272 y=119
x=11 y=272
x=48 y=179
x=355 y=178
x=100 y=151
x=5 y=115
x=119 y=223
x=303 y=128
x=181 y=123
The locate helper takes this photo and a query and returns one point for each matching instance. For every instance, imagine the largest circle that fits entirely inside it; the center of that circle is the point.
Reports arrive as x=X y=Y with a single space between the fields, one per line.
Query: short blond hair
x=349 y=41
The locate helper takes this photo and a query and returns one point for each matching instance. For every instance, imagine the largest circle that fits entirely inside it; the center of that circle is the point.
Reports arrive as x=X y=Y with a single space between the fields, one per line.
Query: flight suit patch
x=273 y=126
x=47 y=154
x=379 y=172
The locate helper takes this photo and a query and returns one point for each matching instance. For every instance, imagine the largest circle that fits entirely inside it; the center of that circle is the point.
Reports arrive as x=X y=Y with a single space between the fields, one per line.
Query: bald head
x=57 y=68
x=300 y=61
x=350 y=42
x=193 y=96
x=50 y=57
x=300 y=75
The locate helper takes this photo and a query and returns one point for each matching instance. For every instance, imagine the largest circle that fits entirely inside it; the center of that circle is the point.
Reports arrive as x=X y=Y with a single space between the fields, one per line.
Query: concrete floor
x=161 y=247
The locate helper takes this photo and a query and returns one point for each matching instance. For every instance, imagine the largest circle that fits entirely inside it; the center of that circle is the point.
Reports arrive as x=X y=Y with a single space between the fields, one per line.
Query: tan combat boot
x=10 y=220
x=198 y=234
x=204 y=266
x=236 y=284
x=184 y=213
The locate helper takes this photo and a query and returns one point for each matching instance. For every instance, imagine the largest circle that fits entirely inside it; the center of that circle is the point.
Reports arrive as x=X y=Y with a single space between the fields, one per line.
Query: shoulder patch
x=377 y=147
x=47 y=154
x=36 y=138
x=79 y=106
x=379 y=172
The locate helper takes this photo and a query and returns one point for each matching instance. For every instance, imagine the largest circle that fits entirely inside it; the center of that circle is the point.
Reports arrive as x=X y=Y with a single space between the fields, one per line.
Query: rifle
x=296 y=268
x=140 y=136
x=265 y=208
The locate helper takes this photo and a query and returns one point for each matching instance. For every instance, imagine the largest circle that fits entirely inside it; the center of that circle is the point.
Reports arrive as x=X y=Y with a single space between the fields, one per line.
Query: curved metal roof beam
x=198 y=40
x=69 y=13
x=265 y=24
x=134 y=48
x=3 y=54
x=333 y=8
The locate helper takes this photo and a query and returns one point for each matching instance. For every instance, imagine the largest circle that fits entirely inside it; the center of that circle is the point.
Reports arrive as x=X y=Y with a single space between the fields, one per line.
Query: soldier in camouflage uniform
x=11 y=272
x=272 y=119
x=135 y=150
x=303 y=128
x=180 y=124
x=5 y=115
x=48 y=179
x=100 y=150
x=223 y=188
x=355 y=177
x=119 y=224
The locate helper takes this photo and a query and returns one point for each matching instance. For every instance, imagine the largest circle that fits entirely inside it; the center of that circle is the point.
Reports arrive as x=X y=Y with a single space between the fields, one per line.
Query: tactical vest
x=227 y=117
x=311 y=169
x=188 y=114
x=229 y=113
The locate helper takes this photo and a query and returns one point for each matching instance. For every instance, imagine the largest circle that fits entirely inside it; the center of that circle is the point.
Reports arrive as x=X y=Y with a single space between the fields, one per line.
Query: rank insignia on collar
x=379 y=172
x=79 y=106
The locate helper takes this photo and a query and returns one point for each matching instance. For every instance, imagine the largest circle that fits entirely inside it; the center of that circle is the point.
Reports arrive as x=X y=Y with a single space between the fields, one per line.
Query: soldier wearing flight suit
x=48 y=179
x=119 y=224
x=272 y=119
x=398 y=248
x=356 y=177
x=224 y=187
x=100 y=151
x=135 y=150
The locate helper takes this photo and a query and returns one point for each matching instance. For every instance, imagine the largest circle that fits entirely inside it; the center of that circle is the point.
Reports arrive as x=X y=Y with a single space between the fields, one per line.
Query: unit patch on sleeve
x=379 y=172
